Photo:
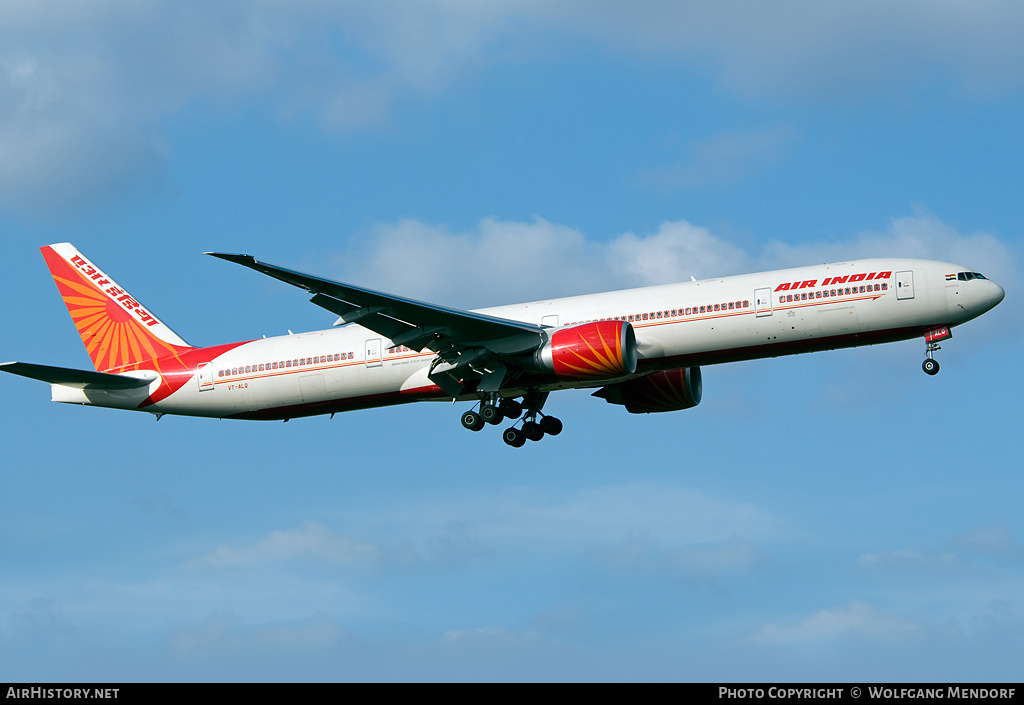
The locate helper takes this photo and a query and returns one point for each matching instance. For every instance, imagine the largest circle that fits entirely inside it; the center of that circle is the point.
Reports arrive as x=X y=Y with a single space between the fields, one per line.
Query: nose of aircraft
x=989 y=295
x=995 y=294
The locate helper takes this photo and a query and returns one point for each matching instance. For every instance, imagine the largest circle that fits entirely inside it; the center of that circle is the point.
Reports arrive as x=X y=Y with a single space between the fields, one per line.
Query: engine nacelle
x=668 y=390
x=595 y=350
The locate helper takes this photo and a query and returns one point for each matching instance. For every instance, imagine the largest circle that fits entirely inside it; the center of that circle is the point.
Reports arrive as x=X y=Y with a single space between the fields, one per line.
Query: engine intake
x=668 y=390
x=596 y=350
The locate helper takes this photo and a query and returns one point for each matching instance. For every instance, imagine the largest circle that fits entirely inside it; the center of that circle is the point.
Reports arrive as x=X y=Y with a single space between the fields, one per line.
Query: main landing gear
x=535 y=424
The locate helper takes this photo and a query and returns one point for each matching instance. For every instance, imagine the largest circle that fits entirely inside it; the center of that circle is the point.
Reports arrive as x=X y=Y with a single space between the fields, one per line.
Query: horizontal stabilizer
x=78 y=379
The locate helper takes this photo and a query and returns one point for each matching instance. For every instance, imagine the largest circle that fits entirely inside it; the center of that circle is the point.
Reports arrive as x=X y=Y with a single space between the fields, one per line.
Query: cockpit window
x=967 y=276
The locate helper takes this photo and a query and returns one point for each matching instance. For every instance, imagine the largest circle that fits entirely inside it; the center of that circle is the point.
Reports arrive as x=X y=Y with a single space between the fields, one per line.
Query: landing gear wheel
x=510 y=408
x=472 y=421
x=931 y=366
x=532 y=431
x=514 y=437
x=550 y=425
x=491 y=414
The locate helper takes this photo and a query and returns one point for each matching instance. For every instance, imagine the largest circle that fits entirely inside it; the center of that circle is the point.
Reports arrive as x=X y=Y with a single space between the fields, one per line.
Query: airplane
x=642 y=348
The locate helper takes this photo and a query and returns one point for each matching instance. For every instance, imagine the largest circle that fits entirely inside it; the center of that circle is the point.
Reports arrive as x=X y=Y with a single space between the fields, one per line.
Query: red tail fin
x=117 y=331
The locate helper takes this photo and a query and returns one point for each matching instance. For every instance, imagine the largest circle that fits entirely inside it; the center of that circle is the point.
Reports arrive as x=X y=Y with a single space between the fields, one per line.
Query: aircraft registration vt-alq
x=641 y=348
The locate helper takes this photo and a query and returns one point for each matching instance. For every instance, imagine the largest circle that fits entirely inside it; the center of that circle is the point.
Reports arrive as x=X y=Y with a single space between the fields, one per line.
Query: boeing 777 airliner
x=640 y=348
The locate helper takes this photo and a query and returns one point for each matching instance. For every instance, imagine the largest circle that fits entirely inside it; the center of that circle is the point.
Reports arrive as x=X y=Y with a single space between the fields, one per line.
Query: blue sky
x=836 y=516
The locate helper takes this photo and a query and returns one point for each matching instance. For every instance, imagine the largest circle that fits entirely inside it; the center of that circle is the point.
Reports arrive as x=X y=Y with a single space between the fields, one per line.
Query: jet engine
x=595 y=350
x=668 y=390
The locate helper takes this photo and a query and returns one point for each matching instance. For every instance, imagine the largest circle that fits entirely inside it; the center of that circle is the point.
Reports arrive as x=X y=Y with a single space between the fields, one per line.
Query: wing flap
x=77 y=379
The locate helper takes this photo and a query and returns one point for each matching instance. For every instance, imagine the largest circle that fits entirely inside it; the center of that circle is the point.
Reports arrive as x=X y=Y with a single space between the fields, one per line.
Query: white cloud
x=922 y=235
x=822 y=50
x=503 y=261
x=680 y=530
x=856 y=620
x=453 y=543
x=312 y=541
x=85 y=87
x=990 y=541
x=980 y=548
x=681 y=523
x=497 y=259
x=677 y=251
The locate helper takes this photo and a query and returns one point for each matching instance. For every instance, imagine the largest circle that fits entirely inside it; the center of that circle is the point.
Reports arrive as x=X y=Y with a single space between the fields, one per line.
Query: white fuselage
x=678 y=325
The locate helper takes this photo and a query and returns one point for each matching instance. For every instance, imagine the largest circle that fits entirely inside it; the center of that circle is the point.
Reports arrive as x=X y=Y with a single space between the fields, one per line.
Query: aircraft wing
x=79 y=379
x=392 y=315
x=462 y=338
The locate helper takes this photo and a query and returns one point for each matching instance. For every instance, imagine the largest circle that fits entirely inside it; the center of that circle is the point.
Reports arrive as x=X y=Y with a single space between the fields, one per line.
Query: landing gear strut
x=535 y=425
x=931 y=365
x=932 y=338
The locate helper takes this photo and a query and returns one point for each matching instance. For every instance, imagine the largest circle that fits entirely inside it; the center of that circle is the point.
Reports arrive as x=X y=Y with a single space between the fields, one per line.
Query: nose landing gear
x=932 y=338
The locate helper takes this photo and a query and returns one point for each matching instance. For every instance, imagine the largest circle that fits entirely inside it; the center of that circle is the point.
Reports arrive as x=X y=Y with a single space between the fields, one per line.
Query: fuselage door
x=204 y=373
x=373 y=352
x=905 y=285
x=763 y=302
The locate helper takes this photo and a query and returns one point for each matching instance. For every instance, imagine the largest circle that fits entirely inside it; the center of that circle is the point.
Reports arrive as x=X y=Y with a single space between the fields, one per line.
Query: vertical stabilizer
x=118 y=332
